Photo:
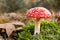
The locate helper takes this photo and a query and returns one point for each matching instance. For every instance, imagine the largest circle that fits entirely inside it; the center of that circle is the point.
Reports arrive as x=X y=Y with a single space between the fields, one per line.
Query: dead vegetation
x=55 y=15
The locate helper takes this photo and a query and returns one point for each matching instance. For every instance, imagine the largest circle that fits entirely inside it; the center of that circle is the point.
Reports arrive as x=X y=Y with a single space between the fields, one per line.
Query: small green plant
x=29 y=27
x=49 y=31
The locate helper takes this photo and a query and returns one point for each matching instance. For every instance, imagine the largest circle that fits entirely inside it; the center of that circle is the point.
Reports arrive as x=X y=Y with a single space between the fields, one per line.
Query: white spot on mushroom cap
x=36 y=12
x=48 y=13
x=42 y=16
x=33 y=11
x=41 y=12
x=31 y=15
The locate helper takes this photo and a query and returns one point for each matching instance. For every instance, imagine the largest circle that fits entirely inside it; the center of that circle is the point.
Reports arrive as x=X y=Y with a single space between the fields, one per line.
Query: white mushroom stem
x=42 y=19
x=37 y=26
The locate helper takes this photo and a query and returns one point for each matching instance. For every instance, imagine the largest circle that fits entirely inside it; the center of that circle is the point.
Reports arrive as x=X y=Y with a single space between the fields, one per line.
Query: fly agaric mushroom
x=38 y=13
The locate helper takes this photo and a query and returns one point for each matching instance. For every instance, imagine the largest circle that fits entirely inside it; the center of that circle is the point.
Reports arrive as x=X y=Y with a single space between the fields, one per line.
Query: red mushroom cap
x=38 y=12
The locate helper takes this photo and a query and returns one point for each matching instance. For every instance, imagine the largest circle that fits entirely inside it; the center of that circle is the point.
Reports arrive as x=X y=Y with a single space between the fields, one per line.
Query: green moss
x=49 y=31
